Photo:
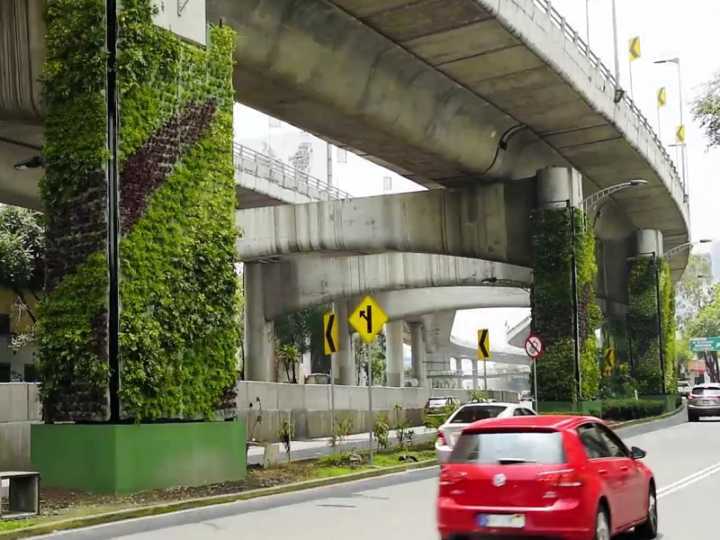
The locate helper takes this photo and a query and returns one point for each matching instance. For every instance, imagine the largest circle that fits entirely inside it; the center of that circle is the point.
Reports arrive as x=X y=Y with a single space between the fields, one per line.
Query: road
x=685 y=459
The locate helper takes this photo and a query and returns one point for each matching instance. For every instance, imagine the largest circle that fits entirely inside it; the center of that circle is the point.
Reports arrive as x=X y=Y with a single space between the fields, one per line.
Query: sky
x=687 y=29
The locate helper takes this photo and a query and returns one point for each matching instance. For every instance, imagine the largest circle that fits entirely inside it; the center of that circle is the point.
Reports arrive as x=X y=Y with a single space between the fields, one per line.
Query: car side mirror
x=637 y=453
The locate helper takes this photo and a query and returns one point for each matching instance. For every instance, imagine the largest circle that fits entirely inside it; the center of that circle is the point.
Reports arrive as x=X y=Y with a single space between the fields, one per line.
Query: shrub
x=631 y=409
x=381 y=431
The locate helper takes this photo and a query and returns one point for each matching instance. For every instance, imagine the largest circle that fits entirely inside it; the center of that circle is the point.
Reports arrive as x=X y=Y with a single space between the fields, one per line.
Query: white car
x=450 y=431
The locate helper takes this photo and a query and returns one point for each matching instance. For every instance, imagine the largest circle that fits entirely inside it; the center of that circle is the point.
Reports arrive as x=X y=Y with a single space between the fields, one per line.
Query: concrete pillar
x=344 y=359
x=418 y=353
x=474 y=373
x=556 y=185
x=394 y=353
x=259 y=334
x=649 y=241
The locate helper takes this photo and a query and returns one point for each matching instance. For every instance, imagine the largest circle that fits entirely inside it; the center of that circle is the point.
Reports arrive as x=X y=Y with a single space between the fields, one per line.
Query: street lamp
x=594 y=201
x=687 y=245
x=676 y=61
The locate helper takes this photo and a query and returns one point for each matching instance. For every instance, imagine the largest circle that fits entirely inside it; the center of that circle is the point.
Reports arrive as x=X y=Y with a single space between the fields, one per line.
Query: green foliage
x=179 y=340
x=436 y=420
x=552 y=303
x=695 y=289
x=706 y=110
x=402 y=429
x=478 y=395
x=631 y=409
x=643 y=321
x=341 y=430
x=286 y=434
x=288 y=357
x=22 y=249
x=381 y=431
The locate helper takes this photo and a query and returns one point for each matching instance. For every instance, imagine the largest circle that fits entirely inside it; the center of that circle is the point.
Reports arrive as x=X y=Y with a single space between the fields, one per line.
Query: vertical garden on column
x=178 y=337
x=553 y=304
x=643 y=322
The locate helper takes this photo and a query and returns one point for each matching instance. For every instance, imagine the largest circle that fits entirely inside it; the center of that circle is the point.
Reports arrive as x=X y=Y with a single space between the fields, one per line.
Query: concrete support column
x=649 y=242
x=344 y=358
x=394 y=353
x=557 y=185
x=259 y=333
x=474 y=373
x=418 y=353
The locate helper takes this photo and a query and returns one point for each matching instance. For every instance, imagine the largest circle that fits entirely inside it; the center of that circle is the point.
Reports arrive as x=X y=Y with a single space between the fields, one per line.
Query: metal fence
x=572 y=35
x=262 y=166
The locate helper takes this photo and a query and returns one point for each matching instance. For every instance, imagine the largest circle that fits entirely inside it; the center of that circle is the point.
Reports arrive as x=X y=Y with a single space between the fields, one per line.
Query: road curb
x=166 y=508
x=642 y=421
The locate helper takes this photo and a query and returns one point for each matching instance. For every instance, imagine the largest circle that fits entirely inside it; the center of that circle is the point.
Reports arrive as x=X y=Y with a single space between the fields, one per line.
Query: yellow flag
x=662 y=97
x=680 y=134
x=634 y=48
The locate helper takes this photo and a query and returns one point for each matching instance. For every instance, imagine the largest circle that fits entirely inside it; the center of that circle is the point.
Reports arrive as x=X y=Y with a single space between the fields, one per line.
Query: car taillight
x=566 y=478
x=441 y=439
x=449 y=477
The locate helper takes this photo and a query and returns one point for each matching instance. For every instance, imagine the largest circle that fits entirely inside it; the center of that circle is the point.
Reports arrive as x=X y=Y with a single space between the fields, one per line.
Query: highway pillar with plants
x=148 y=221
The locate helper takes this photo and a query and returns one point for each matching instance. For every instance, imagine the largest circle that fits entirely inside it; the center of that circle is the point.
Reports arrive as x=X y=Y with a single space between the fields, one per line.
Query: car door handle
x=602 y=471
x=624 y=469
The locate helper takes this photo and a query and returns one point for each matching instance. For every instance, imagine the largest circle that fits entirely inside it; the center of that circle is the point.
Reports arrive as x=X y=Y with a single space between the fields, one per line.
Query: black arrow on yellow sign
x=483 y=349
x=330 y=333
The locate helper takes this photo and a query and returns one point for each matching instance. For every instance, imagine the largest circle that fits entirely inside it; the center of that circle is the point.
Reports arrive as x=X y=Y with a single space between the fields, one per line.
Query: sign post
x=483 y=352
x=368 y=319
x=534 y=348
x=330 y=347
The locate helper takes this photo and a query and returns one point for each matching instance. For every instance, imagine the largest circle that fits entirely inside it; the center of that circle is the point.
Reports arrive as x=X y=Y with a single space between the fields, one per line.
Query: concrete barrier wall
x=308 y=406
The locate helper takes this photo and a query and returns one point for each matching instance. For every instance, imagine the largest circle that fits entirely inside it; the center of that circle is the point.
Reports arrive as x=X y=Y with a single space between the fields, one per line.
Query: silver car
x=450 y=431
x=704 y=400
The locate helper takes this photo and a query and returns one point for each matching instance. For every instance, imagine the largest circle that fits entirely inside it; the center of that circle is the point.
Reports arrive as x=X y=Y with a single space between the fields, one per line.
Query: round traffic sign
x=534 y=347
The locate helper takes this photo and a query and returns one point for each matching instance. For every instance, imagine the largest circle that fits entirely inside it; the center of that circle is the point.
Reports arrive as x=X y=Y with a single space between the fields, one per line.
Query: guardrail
x=271 y=169
x=572 y=35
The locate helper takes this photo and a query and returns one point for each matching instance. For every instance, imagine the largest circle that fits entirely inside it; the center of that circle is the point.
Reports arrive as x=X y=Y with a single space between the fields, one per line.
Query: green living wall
x=552 y=304
x=178 y=290
x=642 y=322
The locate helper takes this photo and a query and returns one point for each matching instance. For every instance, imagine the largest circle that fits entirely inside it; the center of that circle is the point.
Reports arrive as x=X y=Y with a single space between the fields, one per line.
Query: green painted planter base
x=591 y=407
x=106 y=458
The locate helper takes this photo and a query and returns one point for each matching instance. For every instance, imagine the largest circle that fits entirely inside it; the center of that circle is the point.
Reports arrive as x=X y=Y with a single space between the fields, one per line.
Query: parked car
x=684 y=388
x=562 y=477
x=437 y=405
x=449 y=432
x=704 y=400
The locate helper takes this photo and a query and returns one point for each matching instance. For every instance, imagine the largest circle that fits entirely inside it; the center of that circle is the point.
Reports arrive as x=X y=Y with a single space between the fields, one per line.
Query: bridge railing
x=271 y=169
x=572 y=35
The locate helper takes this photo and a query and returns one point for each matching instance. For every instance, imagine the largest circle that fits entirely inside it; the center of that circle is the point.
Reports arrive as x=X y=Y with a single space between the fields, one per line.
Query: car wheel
x=649 y=529
x=692 y=418
x=602 y=525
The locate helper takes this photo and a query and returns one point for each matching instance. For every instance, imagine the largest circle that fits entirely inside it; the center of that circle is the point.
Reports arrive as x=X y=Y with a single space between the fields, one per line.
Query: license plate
x=510 y=521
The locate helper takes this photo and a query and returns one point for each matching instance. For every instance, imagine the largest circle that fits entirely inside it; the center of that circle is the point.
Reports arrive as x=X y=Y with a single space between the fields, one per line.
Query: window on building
x=4 y=372
x=387 y=184
x=4 y=324
x=31 y=373
x=342 y=155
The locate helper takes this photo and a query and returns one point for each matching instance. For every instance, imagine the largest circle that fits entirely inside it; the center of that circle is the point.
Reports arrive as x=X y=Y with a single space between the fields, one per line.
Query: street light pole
x=615 y=45
x=683 y=156
x=661 y=343
x=587 y=22
x=576 y=315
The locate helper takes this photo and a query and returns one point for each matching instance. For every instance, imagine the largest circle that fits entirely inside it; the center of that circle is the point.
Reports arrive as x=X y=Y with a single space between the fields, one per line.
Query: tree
x=706 y=110
x=695 y=290
x=289 y=358
x=22 y=261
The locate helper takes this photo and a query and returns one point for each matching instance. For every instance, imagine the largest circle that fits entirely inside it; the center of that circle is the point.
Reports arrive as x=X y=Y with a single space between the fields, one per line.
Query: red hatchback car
x=544 y=477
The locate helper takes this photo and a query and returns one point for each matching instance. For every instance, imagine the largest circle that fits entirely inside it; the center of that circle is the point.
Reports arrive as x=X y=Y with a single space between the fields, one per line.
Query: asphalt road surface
x=685 y=458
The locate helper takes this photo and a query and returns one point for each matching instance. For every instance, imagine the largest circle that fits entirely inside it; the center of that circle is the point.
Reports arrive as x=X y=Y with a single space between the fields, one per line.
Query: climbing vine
x=552 y=303
x=643 y=320
x=178 y=288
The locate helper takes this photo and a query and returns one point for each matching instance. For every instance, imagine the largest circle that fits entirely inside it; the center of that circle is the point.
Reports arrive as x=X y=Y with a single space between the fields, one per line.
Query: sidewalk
x=315 y=448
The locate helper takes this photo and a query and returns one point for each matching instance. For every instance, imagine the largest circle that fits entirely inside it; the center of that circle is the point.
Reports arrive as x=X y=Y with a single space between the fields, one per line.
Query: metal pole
x=615 y=44
x=370 y=405
x=576 y=318
x=333 y=363
x=113 y=225
x=535 y=386
x=587 y=22
x=485 y=375
x=632 y=93
x=658 y=119
x=659 y=321
x=328 y=149
x=682 y=123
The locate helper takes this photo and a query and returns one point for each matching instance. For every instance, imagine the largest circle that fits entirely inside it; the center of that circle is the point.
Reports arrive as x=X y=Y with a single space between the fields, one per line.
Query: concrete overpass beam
x=259 y=332
x=394 y=350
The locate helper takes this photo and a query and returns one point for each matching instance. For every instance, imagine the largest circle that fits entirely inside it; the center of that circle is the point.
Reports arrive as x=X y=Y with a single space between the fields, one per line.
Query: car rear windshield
x=509 y=447
x=707 y=391
x=468 y=415
x=437 y=402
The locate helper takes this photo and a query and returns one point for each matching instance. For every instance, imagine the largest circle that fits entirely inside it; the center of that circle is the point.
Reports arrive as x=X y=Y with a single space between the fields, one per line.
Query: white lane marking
x=688 y=480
